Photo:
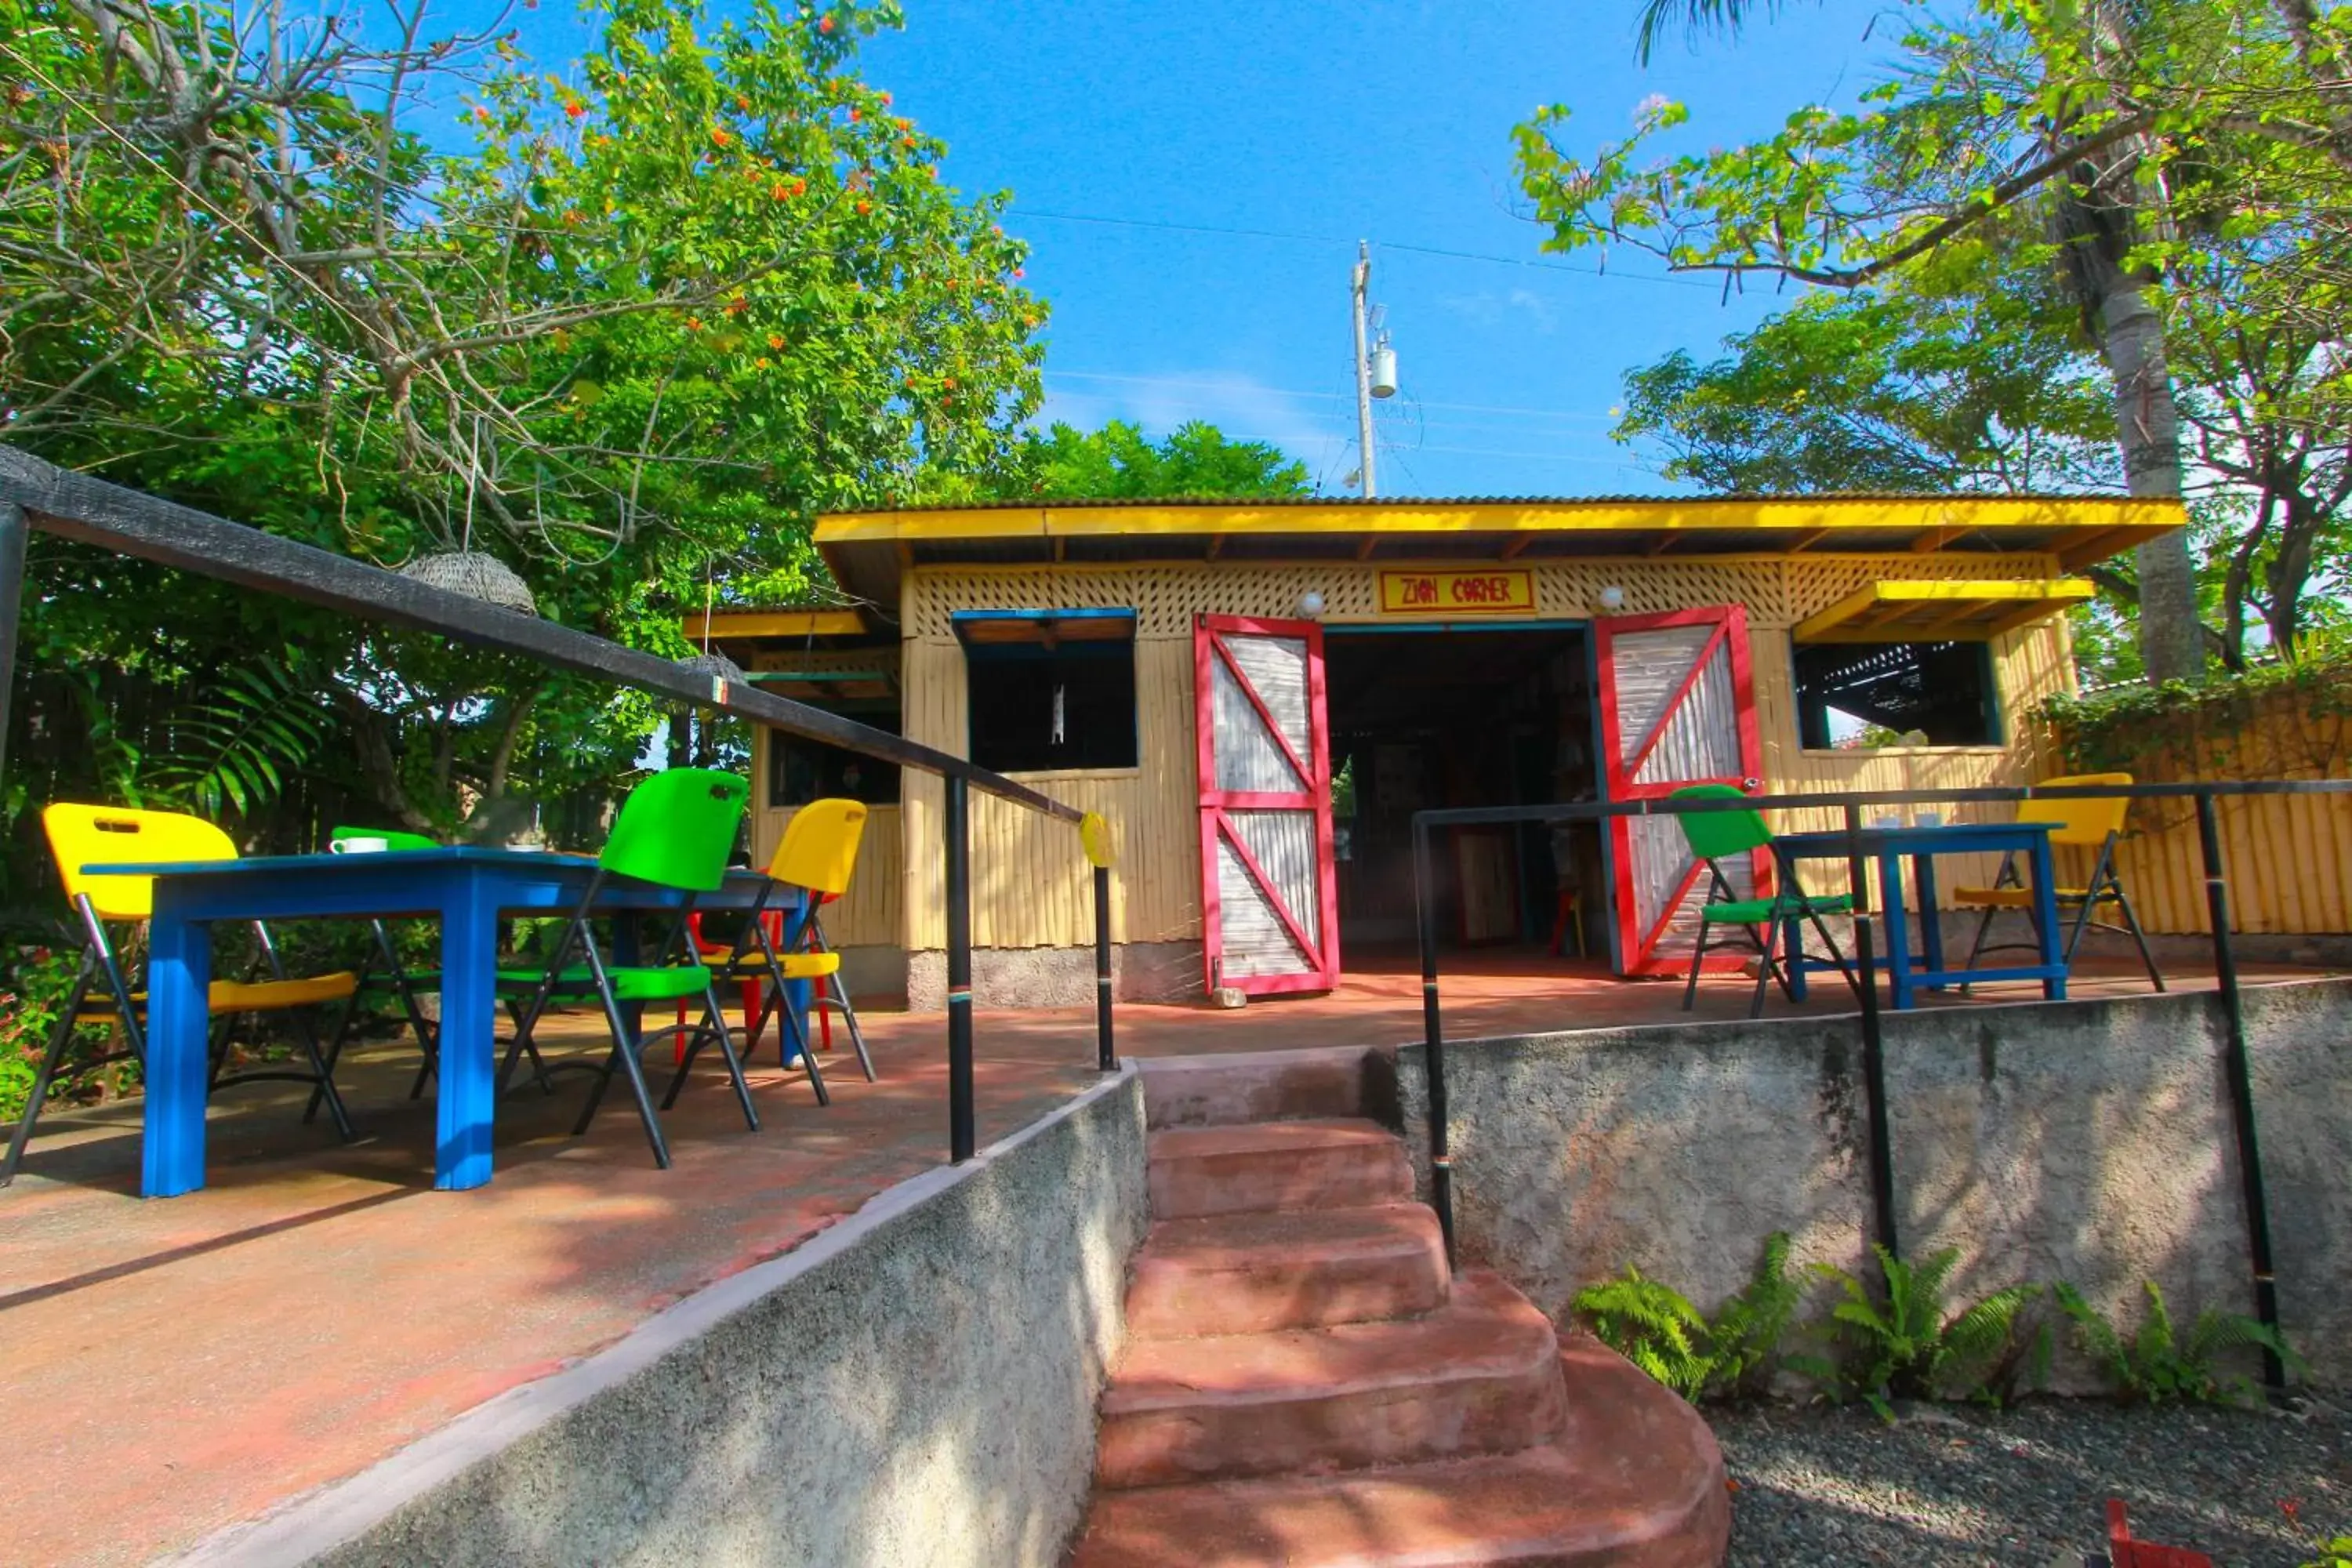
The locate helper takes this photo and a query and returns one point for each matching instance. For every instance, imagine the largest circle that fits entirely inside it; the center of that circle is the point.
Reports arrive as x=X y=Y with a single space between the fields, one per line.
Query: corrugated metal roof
x=1032 y=503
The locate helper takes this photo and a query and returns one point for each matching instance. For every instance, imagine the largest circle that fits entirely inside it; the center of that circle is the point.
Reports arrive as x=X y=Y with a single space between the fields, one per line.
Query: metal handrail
x=1851 y=804
x=35 y=495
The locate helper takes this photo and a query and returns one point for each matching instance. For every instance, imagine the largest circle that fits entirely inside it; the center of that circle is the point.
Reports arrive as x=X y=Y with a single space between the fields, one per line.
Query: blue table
x=467 y=889
x=1907 y=973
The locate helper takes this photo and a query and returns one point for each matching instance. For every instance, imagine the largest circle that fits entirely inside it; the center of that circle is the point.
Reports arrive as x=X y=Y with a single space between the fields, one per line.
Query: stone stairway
x=1306 y=1384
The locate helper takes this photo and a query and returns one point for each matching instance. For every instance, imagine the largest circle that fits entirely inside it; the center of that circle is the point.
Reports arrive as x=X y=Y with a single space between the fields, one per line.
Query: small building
x=1258 y=696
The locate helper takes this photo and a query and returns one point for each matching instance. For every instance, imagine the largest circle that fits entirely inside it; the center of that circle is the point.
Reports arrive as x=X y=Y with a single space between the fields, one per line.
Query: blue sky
x=1389 y=121
x=1136 y=136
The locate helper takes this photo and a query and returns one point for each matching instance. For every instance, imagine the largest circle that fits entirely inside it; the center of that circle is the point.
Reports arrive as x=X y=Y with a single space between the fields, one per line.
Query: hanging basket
x=714 y=666
x=477 y=576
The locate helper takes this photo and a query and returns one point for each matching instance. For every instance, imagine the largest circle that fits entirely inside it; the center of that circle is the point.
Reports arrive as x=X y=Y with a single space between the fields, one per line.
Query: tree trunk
x=2148 y=428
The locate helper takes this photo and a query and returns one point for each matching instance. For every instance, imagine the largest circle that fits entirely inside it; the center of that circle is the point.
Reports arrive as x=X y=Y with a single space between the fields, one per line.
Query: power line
x=1301 y=239
x=1212 y=384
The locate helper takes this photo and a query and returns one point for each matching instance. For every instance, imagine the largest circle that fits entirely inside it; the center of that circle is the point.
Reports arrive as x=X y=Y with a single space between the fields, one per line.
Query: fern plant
x=2157 y=1364
x=1657 y=1329
x=238 y=743
x=1652 y=1325
x=2334 y=1552
x=1908 y=1347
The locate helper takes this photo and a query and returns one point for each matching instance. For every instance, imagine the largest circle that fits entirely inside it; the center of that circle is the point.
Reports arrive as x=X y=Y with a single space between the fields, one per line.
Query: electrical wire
x=1297 y=237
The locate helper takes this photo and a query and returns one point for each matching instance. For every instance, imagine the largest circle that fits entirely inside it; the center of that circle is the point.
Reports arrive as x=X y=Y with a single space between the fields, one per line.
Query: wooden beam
x=1372 y=542
x=1216 y=547
x=1516 y=546
x=1663 y=544
x=1807 y=538
x=773 y=624
x=130 y=523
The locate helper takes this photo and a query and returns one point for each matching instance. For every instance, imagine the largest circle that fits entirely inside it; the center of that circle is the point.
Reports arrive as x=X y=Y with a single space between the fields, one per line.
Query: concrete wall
x=1014 y=978
x=914 y=1387
x=2088 y=1141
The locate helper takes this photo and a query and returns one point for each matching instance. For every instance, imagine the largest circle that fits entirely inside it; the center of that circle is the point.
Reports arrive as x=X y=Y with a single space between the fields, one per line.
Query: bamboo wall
x=1032 y=888
x=869 y=914
x=2289 y=858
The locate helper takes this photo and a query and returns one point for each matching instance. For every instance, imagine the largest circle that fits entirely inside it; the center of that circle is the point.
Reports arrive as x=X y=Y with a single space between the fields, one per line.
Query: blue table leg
x=1792 y=933
x=179 y=979
x=1898 y=931
x=1931 y=923
x=2045 y=917
x=466 y=1094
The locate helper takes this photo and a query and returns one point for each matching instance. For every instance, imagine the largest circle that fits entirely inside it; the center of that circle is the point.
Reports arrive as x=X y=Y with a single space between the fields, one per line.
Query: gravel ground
x=2027 y=1486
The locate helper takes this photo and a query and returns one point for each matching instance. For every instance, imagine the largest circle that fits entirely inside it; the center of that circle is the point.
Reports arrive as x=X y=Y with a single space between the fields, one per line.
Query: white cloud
x=1521 y=310
x=1313 y=428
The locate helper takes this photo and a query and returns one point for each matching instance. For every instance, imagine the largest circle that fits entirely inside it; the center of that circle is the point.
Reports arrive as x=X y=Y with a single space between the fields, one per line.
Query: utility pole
x=1363 y=366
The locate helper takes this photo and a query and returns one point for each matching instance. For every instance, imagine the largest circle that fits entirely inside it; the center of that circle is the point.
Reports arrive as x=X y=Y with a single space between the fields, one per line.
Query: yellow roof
x=1941 y=610
x=773 y=624
x=868 y=552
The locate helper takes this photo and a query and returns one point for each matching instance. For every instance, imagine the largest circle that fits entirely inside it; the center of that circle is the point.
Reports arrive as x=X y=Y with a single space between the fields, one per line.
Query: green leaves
x=236 y=742
x=1656 y=1328
x=1902 y=1345
x=1118 y=462
x=2157 y=1364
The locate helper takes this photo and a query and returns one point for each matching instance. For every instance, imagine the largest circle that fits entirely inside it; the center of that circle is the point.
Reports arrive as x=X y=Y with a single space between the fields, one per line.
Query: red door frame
x=1316 y=768
x=1636 y=950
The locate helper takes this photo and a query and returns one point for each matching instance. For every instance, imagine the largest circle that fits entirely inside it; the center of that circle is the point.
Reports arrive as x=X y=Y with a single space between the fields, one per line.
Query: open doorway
x=1447 y=716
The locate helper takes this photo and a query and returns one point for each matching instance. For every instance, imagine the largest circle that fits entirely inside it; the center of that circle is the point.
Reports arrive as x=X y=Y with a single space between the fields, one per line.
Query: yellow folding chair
x=82 y=835
x=2089 y=823
x=818 y=854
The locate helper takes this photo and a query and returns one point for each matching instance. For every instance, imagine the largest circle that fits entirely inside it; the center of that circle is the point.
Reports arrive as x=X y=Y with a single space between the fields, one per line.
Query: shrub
x=2156 y=1363
x=1909 y=1348
x=1657 y=1329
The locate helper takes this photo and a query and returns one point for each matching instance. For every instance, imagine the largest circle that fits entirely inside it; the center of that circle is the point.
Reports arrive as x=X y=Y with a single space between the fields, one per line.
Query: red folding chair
x=2123 y=1552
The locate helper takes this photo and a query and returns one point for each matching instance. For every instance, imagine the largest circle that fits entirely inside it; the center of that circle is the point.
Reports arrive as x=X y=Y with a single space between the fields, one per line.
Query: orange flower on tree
x=775 y=340
x=574 y=109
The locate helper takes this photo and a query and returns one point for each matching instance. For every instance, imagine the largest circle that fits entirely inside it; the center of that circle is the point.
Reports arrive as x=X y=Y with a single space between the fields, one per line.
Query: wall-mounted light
x=1612 y=597
x=1310 y=605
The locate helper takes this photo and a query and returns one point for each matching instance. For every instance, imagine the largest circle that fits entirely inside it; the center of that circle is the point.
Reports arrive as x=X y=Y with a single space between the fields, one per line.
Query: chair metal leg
x=849 y=1016
x=325 y=1070
x=625 y=1045
x=59 y=1038
x=1976 y=948
x=1764 y=968
x=726 y=1049
x=2131 y=924
x=808 y=1058
x=1698 y=955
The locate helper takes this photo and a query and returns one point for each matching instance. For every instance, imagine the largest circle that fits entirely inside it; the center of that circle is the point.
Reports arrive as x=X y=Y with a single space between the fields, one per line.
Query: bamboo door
x=1676 y=708
x=1269 y=895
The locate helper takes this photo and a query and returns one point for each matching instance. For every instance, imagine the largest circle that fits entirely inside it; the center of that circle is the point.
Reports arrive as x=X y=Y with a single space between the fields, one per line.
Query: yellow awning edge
x=1942 y=611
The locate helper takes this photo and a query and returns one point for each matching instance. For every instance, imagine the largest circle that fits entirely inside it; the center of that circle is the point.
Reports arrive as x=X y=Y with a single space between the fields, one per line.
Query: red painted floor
x=170 y=1368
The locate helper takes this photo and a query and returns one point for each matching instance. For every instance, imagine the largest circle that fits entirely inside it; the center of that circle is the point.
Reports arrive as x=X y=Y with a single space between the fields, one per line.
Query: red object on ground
x=774 y=920
x=2126 y=1552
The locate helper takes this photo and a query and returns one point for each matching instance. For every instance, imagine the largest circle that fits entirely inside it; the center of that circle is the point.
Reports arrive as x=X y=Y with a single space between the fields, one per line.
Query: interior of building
x=1425 y=718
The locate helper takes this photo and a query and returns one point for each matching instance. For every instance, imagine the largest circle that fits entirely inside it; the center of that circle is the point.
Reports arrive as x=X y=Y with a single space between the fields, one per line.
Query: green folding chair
x=1715 y=836
x=676 y=830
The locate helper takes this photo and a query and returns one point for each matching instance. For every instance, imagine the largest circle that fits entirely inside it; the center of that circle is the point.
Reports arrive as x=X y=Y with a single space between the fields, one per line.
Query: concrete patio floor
x=170 y=1368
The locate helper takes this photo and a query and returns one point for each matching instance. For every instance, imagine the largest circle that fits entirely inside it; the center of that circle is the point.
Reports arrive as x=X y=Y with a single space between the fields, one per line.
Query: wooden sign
x=1492 y=591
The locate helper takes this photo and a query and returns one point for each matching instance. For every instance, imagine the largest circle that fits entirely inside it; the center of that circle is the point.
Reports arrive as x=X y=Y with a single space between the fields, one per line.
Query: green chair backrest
x=393 y=839
x=677 y=829
x=1715 y=835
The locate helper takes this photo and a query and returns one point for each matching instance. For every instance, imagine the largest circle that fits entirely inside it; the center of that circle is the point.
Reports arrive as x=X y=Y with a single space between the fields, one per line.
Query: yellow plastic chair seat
x=795 y=966
x=257 y=997
x=2011 y=898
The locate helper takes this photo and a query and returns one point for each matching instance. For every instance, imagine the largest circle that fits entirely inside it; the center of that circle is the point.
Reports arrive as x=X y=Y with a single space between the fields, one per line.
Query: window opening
x=1049 y=688
x=1860 y=695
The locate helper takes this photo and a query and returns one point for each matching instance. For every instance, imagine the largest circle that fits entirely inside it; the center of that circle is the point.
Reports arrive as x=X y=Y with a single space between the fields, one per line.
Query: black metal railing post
x=960 y=1140
x=1873 y=1038
x=1106 y=1056
x=2240 y=1072
x=1441 y=1153
x=14 y=529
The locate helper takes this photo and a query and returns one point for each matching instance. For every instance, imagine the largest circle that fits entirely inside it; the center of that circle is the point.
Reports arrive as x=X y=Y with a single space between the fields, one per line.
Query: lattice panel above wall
x=1778 y=592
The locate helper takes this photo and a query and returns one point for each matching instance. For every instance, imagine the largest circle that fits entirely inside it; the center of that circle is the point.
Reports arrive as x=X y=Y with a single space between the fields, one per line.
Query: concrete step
x=1478 y=1375
x=1269 y=1086
x=1326 y=1164
x=1634 y=1481
x=1256 y=1273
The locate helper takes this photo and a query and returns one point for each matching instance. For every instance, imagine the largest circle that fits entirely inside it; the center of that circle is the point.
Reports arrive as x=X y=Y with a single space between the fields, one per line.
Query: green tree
x=675 y=298
x=2131 y=138
x=1119 y=462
